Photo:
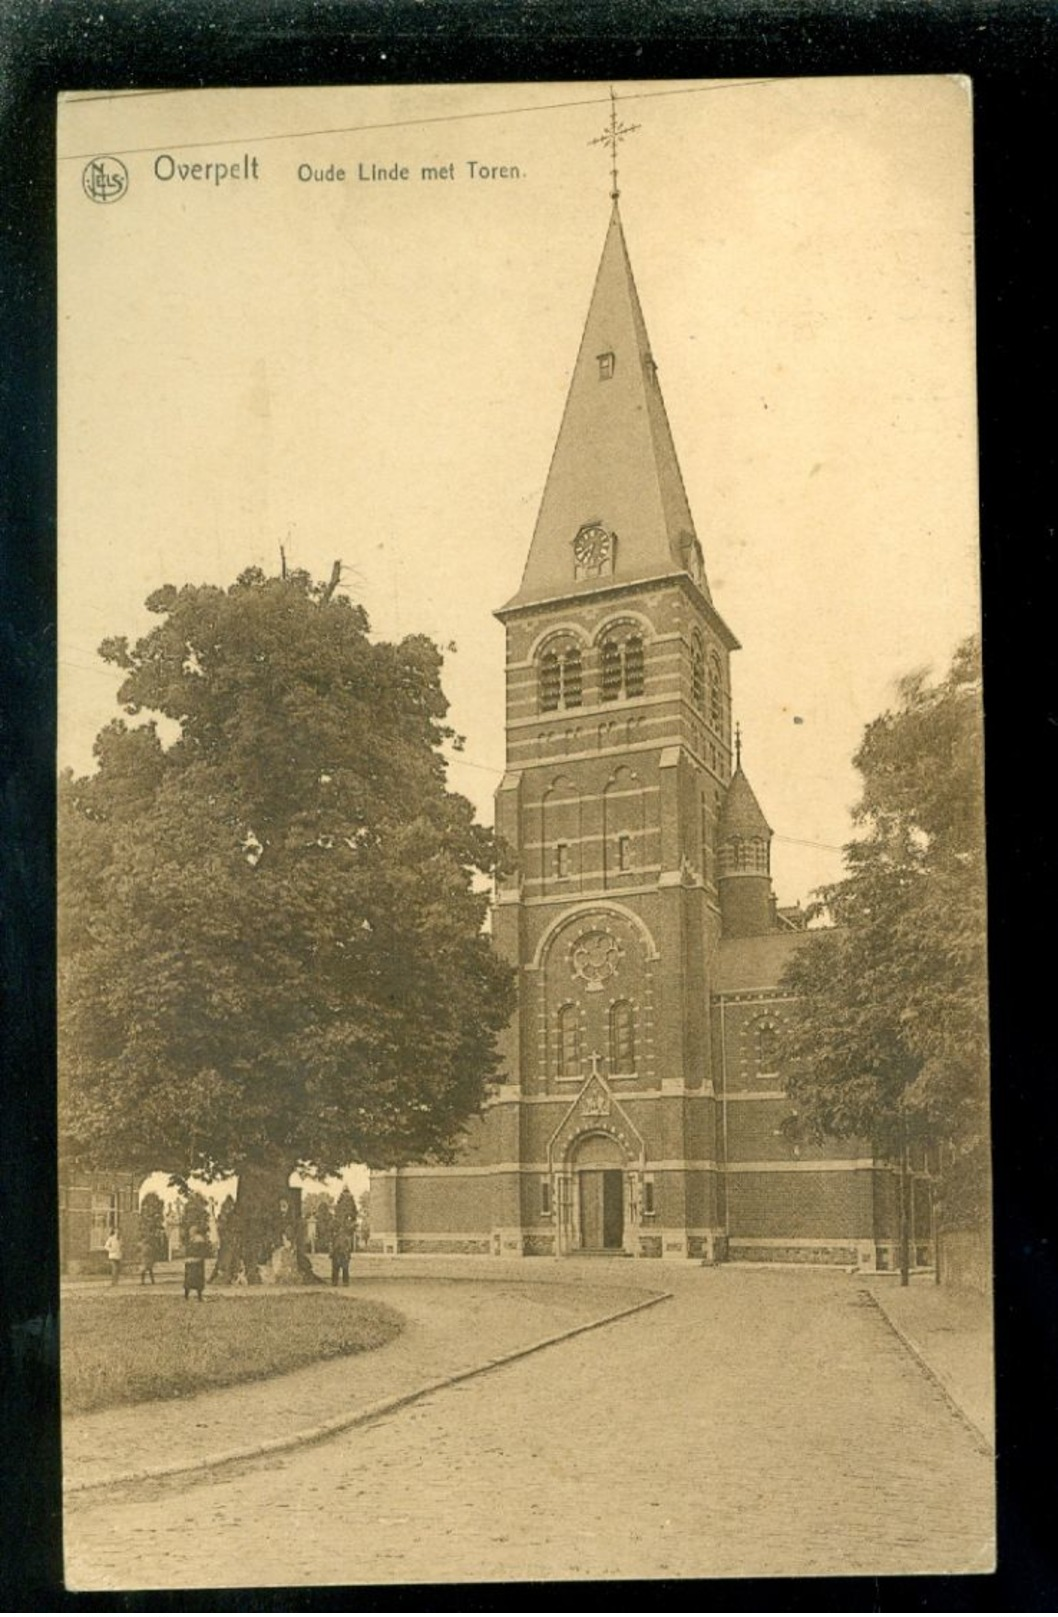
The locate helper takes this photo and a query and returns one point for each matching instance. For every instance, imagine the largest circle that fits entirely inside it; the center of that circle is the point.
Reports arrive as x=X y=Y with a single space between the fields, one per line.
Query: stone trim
x=633 y=586
x=756 y=1094
x=528 y=666
x=852 y=1165
x=798 y=1240
x=604 y=895
x=595 y=710
x=535 y=1169
x=582 y=909
x=739 y=996
x=842 y=1254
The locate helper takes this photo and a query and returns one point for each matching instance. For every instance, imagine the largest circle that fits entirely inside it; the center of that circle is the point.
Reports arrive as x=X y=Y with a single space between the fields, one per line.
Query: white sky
x=376 y=371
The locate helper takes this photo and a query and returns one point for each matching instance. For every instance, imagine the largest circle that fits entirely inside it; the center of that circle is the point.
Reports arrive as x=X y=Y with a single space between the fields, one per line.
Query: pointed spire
x=614 y=467
x=741 y=815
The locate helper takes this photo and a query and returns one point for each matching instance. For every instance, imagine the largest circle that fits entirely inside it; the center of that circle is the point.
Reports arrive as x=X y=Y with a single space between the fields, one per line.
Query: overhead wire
x=403 y=123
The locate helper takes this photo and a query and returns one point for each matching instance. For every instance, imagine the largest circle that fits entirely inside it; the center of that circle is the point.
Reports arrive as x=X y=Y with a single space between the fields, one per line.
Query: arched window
x=622 y=665
x=568 y=1041
x=634 y=666
x=766 y=1050
x=622 y=1037
x=716 y=706
x=572 y=677
x=611 y=671
x=698 y=674
x=561 y=678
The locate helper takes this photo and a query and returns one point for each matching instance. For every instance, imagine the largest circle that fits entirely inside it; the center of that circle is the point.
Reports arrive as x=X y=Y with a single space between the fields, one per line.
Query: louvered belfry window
x=550 y=682
x=572 y=678
x=561 y=679
x=715 y=694
x=698 y=675
x=621 y=667
x=611 y=670
x=634 y=666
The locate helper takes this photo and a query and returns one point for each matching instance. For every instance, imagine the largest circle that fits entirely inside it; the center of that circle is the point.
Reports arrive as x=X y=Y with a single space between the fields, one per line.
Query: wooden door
x=592 y=1181
x=601 y=1209
x=613 y=1217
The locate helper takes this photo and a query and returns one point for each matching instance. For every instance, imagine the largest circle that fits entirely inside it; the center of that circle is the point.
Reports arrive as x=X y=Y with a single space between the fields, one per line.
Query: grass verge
x=127 y=1348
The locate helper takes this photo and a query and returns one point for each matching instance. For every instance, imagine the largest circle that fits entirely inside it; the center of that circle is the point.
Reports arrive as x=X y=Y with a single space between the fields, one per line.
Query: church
x=641 y=1110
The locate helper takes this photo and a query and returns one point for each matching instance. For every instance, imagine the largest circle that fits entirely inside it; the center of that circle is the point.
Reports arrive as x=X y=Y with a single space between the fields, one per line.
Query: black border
x=1008 y=49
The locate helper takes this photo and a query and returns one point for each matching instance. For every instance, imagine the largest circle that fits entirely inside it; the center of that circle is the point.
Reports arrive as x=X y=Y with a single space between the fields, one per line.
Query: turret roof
x=741 y=814
x=614 y=462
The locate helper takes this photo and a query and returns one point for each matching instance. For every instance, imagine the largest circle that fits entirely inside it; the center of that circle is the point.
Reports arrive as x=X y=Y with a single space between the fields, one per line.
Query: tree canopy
x=271 y=938
x=887 y=1035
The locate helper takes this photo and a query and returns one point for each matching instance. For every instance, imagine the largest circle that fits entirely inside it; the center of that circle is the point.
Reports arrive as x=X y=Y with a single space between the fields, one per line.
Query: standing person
x=145 y=1253
x=112 y=1248
x=341 y=1249
x=195 y=1263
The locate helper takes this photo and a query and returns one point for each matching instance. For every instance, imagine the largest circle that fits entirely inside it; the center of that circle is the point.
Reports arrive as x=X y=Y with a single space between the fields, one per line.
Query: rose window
x=594 y=957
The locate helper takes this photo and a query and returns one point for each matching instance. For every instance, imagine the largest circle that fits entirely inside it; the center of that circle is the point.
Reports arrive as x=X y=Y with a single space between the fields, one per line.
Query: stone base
x=839 y=1256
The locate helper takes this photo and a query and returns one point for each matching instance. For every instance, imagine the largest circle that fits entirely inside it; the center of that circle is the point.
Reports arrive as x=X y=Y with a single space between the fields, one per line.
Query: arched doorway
x=598 y=1167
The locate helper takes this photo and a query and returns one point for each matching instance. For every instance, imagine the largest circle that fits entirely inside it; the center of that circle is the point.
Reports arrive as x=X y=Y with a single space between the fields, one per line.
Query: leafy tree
x=271 y=929
x=194 y=1215
x=345 y=1212
x=152 y=1225
x=887 y=1036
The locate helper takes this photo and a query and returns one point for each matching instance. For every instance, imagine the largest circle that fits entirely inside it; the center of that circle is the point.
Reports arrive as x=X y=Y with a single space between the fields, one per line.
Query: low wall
x=965 y=1259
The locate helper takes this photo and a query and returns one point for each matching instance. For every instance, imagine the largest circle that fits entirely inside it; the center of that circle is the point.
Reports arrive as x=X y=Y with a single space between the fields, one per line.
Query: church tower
x=642 y=1109
x=618 y=761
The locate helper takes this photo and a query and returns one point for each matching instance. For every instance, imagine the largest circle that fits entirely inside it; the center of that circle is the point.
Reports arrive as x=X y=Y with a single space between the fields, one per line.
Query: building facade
x=93 y=1206
x=642 y=1110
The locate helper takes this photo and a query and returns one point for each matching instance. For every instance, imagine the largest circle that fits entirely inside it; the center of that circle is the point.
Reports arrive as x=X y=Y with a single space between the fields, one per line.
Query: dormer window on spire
x=607 y=366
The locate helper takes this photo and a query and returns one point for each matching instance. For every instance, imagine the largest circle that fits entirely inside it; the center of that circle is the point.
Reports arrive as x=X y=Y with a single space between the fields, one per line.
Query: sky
x=373 y=369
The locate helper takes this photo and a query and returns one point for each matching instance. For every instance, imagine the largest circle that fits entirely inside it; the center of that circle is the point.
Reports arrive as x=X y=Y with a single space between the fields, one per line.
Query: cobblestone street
x=756 y=1424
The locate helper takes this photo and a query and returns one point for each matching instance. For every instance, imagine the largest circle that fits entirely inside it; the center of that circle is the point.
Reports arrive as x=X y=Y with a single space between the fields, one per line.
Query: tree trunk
x=905 y=1216
x=264 y=1221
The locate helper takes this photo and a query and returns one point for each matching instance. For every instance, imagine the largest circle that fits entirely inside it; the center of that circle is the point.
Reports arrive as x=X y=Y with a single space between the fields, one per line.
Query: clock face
x=592 y=546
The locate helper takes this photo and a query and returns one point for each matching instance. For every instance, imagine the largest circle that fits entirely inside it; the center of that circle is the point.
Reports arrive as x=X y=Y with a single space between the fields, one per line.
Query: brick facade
x=641 y=1109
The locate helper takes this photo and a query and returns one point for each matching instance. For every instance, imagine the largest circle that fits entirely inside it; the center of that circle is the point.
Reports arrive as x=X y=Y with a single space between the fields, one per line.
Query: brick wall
x=800 y=1204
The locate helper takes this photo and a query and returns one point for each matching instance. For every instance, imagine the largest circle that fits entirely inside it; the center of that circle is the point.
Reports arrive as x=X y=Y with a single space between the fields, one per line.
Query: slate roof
x=741 y=814
x=614 y=462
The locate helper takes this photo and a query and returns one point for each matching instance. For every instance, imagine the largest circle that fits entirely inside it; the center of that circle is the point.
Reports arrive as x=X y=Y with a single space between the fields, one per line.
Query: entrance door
x=601 y=1209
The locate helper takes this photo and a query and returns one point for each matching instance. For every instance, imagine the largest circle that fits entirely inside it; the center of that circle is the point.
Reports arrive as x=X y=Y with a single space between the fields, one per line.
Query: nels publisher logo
x=105 y=179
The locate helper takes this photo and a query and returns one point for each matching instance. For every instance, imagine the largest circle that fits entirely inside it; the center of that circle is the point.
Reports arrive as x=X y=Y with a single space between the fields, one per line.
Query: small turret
x=744 y=859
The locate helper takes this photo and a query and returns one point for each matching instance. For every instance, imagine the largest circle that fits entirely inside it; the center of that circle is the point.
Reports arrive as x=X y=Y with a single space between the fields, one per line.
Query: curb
x=981 y=1440
x=345 y=1423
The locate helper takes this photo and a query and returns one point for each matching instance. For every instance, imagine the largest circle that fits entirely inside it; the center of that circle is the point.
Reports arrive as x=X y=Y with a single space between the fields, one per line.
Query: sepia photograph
x=523 y=1023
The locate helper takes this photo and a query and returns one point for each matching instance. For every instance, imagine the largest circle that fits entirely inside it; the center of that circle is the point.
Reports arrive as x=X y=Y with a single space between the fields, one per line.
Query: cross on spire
x=610 y=137
x=738 y=746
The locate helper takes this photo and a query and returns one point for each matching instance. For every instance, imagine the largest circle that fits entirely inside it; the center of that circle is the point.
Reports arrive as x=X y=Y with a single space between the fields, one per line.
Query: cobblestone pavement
x=762 y=1424
x=952 y=1330
x=453 y=1323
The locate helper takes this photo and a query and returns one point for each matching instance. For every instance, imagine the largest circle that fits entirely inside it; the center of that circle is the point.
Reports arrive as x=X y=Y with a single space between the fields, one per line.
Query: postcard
x=523 y=1041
